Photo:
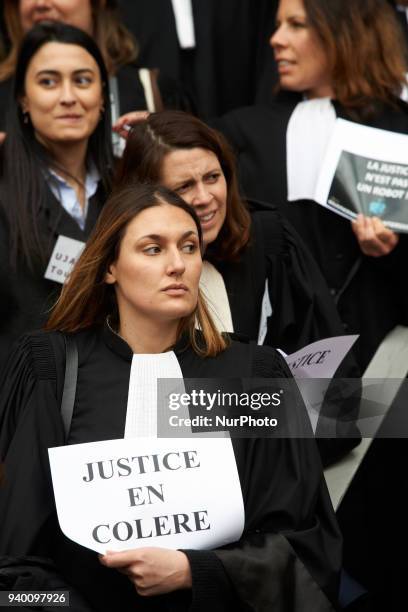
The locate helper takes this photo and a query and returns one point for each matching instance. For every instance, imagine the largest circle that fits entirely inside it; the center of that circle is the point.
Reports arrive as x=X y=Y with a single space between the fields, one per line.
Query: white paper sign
x=131 y=493
x=365 y=170
x=320 y=361
x=64 y=256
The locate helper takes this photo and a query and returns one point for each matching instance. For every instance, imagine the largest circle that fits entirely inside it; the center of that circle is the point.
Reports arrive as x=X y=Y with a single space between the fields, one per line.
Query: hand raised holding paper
x=153 y=571
x=374 y=238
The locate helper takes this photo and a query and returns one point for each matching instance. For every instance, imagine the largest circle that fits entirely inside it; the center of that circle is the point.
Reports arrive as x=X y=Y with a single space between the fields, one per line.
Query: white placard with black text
x=131 y=493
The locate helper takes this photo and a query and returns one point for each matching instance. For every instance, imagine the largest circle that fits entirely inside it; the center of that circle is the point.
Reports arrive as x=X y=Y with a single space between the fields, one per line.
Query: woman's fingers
x=374 y=238
x=153 y=571
x=125 y=122
x=120 y=559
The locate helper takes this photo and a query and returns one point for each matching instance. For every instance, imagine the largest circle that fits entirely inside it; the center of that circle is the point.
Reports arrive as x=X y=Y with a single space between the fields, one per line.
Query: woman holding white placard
x=56 y=166
x=336 y=59
x=141 y=269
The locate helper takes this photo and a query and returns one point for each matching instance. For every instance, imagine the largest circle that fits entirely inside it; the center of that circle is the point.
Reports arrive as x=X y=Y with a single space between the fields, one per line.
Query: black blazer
x=25 y=295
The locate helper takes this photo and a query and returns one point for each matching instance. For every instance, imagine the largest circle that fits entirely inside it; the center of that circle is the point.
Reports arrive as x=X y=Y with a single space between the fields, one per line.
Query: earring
x=25 y=117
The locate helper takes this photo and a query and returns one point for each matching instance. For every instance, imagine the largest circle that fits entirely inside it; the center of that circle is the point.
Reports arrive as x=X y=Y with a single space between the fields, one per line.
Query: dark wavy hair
x=151 y=139
x=23 y=159
x=365 y=48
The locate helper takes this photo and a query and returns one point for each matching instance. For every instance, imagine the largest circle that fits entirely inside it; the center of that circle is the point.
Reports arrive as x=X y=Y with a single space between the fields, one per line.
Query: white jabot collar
x=213 y=287
x=143 y=403
x=142 y=406
x=183 y=14
x=308 y=134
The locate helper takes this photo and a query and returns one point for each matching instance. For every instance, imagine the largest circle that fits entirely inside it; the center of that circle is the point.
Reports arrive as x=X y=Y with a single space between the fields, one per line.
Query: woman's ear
x=110 y=276
x=24 y=104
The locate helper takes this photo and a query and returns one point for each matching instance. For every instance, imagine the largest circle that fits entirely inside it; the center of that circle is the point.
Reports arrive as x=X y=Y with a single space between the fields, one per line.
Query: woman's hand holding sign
x=374 y=238
x=153 y=571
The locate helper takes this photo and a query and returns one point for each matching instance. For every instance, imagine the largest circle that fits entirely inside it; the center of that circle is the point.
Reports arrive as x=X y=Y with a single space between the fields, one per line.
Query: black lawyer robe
x=302 y=312
x=25 y=295
x=290 y=546
x=231 y=59
x=302 y=308
x=369 y=292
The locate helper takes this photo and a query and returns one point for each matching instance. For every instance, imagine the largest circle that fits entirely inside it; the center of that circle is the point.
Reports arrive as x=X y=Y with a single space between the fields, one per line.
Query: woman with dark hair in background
x=132 y=88
x=347 y=58
x=135 y=290
x=258 y=277
x=56 y=167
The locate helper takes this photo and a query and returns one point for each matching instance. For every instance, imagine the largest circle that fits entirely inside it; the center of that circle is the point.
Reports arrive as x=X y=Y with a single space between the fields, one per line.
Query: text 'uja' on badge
x=64 y=256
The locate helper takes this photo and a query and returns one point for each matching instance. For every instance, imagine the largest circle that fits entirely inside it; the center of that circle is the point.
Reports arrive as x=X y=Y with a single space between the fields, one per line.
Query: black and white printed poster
x=365 y=170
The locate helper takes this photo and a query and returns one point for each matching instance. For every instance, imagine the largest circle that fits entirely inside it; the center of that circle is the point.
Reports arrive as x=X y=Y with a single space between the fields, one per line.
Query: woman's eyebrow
x=57 y=72
x=160 y=237
x=181 y=180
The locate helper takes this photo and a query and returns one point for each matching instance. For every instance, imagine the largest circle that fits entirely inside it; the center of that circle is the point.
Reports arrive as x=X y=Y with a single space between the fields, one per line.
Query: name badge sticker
x=64 y=256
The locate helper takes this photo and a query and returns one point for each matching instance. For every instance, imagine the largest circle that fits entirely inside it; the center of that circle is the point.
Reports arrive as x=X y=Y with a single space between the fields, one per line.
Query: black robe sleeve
x=303 y=311
x=289 y=557
x=30 y=423
x=302 y=308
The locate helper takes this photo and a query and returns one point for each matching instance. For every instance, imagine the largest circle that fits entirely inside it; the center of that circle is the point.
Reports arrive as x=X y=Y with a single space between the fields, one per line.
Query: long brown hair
x=87 y=300
x=116 y=43
x=365 y=48
x=151 y=139
x=24 y=160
